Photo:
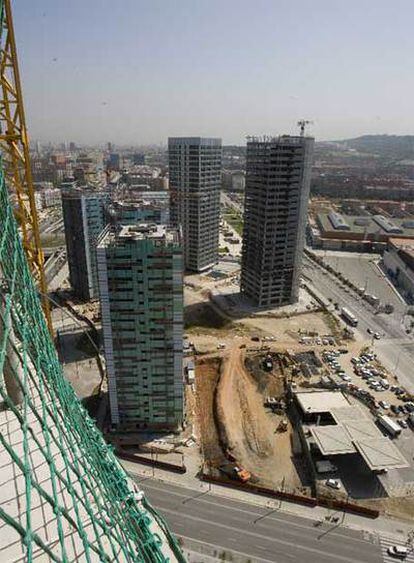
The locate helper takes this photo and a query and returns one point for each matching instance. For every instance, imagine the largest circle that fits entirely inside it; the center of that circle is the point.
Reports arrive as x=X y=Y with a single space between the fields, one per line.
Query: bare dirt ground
x=249 y=431
x=401 y=508
x=286 y=330
x=207 y=376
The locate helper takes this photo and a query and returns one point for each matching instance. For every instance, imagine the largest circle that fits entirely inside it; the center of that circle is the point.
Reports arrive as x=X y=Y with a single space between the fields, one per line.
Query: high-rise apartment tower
x=141 y=290
x=195 y=179
x=84 y=219
x=275 y=211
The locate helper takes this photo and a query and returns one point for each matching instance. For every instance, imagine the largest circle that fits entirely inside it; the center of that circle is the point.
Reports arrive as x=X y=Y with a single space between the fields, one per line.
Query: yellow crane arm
x=14 y=146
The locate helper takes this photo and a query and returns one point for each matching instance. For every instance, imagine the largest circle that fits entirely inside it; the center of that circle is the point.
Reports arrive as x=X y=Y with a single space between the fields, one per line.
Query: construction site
x=247 y=374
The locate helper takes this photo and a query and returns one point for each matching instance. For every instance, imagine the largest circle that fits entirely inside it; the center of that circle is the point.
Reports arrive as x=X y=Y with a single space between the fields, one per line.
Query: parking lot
x=371 y=383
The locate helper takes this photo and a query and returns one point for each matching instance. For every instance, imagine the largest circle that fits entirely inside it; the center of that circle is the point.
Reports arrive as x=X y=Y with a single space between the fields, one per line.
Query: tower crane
x=302 y=124
x=14 y=146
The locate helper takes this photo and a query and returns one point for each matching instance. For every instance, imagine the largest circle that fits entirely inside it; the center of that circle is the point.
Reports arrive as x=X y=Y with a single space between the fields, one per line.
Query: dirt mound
x=240 y=415
x=207 y=375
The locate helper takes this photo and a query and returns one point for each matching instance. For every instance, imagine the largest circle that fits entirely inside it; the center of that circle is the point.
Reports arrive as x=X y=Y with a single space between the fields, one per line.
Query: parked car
x=377 y=336
x=333 y=483
x=402 y=423
x=398 y=551
x=384 y=405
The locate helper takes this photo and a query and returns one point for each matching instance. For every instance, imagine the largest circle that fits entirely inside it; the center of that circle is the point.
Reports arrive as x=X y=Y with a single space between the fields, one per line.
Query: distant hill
x=398 y=147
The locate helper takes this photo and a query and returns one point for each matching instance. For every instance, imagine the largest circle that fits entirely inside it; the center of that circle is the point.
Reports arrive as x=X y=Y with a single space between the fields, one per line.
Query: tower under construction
x=275 y=211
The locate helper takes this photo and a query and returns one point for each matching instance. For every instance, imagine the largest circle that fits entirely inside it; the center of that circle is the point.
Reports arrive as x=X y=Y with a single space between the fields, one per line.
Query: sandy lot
x=248 y=429
x=207 y=376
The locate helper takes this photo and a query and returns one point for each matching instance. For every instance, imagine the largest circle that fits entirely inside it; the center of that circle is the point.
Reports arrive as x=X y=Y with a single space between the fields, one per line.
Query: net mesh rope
x=63 y=494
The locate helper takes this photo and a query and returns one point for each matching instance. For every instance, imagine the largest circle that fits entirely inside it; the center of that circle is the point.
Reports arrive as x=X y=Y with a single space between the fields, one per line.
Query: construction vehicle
x=242 y=474
x=283 y=426
x=234 y=471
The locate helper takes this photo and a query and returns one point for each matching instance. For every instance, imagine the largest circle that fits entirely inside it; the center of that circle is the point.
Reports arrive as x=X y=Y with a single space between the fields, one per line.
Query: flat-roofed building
x=84 y=219
x=399 y=263
x=362 y=233
x=195 y=183
x=141 y=290
x=347 y=430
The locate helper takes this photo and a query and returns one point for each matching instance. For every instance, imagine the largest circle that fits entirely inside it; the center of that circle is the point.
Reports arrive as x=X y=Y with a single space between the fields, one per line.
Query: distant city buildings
x=138 y=158
x=51 y=197
x=141 y=290
x=84 y=219
x=124 y=212
x=275 y=212
x=233 y=180
x=195 y=182
x=359 y=233
x=114 y=161
x=143 y=177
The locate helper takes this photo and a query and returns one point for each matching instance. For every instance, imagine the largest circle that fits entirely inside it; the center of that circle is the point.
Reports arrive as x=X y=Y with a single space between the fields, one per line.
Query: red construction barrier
x=151 y=462
x=349 y=507
x=309 y=501
x=292 y=497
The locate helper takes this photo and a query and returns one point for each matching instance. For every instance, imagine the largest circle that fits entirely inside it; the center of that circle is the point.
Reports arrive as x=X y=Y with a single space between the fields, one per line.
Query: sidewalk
x=380 y=527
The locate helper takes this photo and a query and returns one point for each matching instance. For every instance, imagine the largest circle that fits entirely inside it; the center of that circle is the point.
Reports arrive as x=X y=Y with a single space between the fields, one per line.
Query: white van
x=399 y=551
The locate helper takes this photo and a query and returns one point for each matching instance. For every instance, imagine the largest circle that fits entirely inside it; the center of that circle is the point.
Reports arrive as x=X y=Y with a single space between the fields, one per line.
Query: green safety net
x=63 y=494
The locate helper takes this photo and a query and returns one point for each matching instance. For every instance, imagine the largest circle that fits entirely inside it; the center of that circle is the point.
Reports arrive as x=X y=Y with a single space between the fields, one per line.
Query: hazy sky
x=134 y=71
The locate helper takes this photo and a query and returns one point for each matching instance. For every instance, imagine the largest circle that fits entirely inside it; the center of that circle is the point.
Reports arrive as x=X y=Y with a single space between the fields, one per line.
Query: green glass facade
x=141 y=288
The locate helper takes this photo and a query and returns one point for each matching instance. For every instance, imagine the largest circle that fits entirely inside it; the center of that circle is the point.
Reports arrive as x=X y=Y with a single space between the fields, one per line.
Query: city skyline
x=152 y=71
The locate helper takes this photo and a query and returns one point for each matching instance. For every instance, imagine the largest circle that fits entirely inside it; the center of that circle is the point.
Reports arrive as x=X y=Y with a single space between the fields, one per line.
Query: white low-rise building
x=399 y=263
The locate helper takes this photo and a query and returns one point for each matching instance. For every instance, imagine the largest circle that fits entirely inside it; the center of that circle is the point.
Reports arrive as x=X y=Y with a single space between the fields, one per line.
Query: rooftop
x=356 y=433
x=140 y=231
x=332 y=439
x=312 y=402
x=203 y=141
x=83 y=191
x=366 y=224
x=406 y=244
x=134 y=203
x=381 y=453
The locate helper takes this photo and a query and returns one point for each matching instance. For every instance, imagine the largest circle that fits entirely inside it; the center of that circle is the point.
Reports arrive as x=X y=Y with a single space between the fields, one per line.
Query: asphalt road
x=255 y=533
x=395 y=349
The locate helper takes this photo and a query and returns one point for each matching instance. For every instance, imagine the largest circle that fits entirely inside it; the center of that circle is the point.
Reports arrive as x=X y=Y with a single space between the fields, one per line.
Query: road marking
x=385 y=543
x=216 y=546
x=253 y=513
x=261 y=536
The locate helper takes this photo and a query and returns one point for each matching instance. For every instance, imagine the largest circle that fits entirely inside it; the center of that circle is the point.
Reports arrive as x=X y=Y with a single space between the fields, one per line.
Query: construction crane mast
x=14 y=146
x=302 y=124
